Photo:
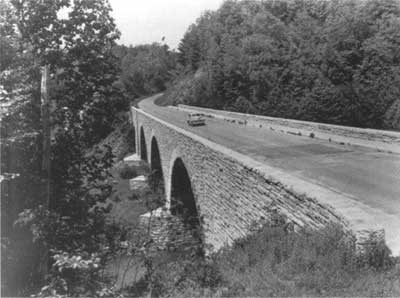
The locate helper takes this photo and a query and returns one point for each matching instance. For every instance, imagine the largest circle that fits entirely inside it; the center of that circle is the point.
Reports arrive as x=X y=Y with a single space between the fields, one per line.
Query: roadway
x=370 y=177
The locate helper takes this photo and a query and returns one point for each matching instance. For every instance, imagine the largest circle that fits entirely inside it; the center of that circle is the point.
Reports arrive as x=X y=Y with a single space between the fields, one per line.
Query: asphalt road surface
x=369 y=176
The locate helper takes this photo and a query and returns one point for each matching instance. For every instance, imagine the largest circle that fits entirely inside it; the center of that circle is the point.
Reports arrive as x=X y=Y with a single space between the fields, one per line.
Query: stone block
x=139 y=184
x=133 y=160
x=166 y=231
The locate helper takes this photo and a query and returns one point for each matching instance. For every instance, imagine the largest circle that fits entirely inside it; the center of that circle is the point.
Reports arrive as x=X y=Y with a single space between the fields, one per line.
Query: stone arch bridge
x=229 y=192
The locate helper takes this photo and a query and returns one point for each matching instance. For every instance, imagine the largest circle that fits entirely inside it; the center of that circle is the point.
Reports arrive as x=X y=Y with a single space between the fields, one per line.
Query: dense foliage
x=145 y=69
x=20 y=146
x=327 y=61
x=63 y=240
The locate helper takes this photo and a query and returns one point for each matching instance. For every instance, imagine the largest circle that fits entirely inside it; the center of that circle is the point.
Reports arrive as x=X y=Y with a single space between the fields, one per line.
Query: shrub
x=306 y=263
x=392 y=116
x=128 y=172
x=276 y=262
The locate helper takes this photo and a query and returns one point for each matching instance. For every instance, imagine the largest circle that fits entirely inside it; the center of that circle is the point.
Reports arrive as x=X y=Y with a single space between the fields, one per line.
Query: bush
x=275 y=262
x=392 y=116
x=306 y=263
x=128 y=172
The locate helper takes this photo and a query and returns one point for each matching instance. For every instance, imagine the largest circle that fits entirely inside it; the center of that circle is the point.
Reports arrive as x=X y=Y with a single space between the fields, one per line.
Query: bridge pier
x=176 y=223
x=168 y=232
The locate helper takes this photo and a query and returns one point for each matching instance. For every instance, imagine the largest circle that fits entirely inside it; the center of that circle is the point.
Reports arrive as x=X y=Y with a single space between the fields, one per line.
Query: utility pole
x=45 y=167
x=45 y=115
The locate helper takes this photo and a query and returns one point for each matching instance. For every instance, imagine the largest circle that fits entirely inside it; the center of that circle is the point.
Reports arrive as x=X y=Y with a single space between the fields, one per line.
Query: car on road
x=196 y=119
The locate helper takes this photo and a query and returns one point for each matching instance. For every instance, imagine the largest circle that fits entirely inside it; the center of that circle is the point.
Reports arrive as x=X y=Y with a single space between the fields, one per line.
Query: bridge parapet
x=233 y=191
x=382 y=140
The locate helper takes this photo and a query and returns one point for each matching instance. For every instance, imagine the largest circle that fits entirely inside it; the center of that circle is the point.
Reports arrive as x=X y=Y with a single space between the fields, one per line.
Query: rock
x=167 y=231
x=139 y=184
x=133 y=160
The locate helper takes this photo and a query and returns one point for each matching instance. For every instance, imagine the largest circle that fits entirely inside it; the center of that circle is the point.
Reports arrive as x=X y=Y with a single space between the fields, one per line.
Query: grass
x=125 y=212
x=273 y=262
x=324 y=263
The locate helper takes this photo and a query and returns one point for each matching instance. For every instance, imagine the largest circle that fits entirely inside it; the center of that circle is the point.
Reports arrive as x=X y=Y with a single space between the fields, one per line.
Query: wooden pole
x=45 y=117
x=45 y=113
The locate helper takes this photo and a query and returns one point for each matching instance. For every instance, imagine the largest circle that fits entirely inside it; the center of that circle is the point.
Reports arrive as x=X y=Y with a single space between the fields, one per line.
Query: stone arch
x=143 y=147
x=182 y=199
x=157 y=177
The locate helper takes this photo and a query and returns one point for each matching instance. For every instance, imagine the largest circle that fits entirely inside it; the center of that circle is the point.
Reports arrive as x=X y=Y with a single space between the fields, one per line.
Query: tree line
x=145 y=69
x=326 y=61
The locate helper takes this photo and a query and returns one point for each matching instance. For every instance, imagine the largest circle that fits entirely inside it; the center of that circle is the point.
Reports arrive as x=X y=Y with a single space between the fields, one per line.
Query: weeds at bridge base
x=273 y=262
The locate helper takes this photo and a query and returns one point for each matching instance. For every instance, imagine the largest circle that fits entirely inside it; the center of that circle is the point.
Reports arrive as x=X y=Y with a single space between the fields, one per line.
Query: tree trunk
x=45 y=117
x=46 y=133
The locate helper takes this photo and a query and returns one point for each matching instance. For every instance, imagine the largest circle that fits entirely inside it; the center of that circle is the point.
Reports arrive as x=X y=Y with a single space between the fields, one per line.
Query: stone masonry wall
x=231 y=193
x=167 y=231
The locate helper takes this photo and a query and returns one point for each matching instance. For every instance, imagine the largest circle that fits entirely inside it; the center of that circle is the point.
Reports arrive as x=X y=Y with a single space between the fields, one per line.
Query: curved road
x=367 y=176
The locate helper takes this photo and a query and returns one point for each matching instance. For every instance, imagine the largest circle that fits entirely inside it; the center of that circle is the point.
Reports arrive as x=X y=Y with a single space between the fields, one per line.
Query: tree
x=146 y=69
x=21 y=152
x=189 y=49
x=84 y=103
x=334 y=62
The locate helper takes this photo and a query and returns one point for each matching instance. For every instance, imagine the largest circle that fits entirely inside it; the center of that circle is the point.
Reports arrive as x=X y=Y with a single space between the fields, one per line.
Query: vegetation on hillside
x=145 y=69
x=327 y=61
x=273 y=263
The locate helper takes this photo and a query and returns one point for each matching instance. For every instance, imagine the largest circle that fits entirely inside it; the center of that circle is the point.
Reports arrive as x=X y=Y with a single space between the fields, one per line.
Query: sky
x=147 y=21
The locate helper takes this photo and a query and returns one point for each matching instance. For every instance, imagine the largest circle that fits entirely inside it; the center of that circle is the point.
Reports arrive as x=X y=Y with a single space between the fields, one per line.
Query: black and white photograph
x=200 y=148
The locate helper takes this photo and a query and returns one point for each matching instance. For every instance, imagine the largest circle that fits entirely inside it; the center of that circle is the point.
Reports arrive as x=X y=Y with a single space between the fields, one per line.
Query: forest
x=327 y=61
